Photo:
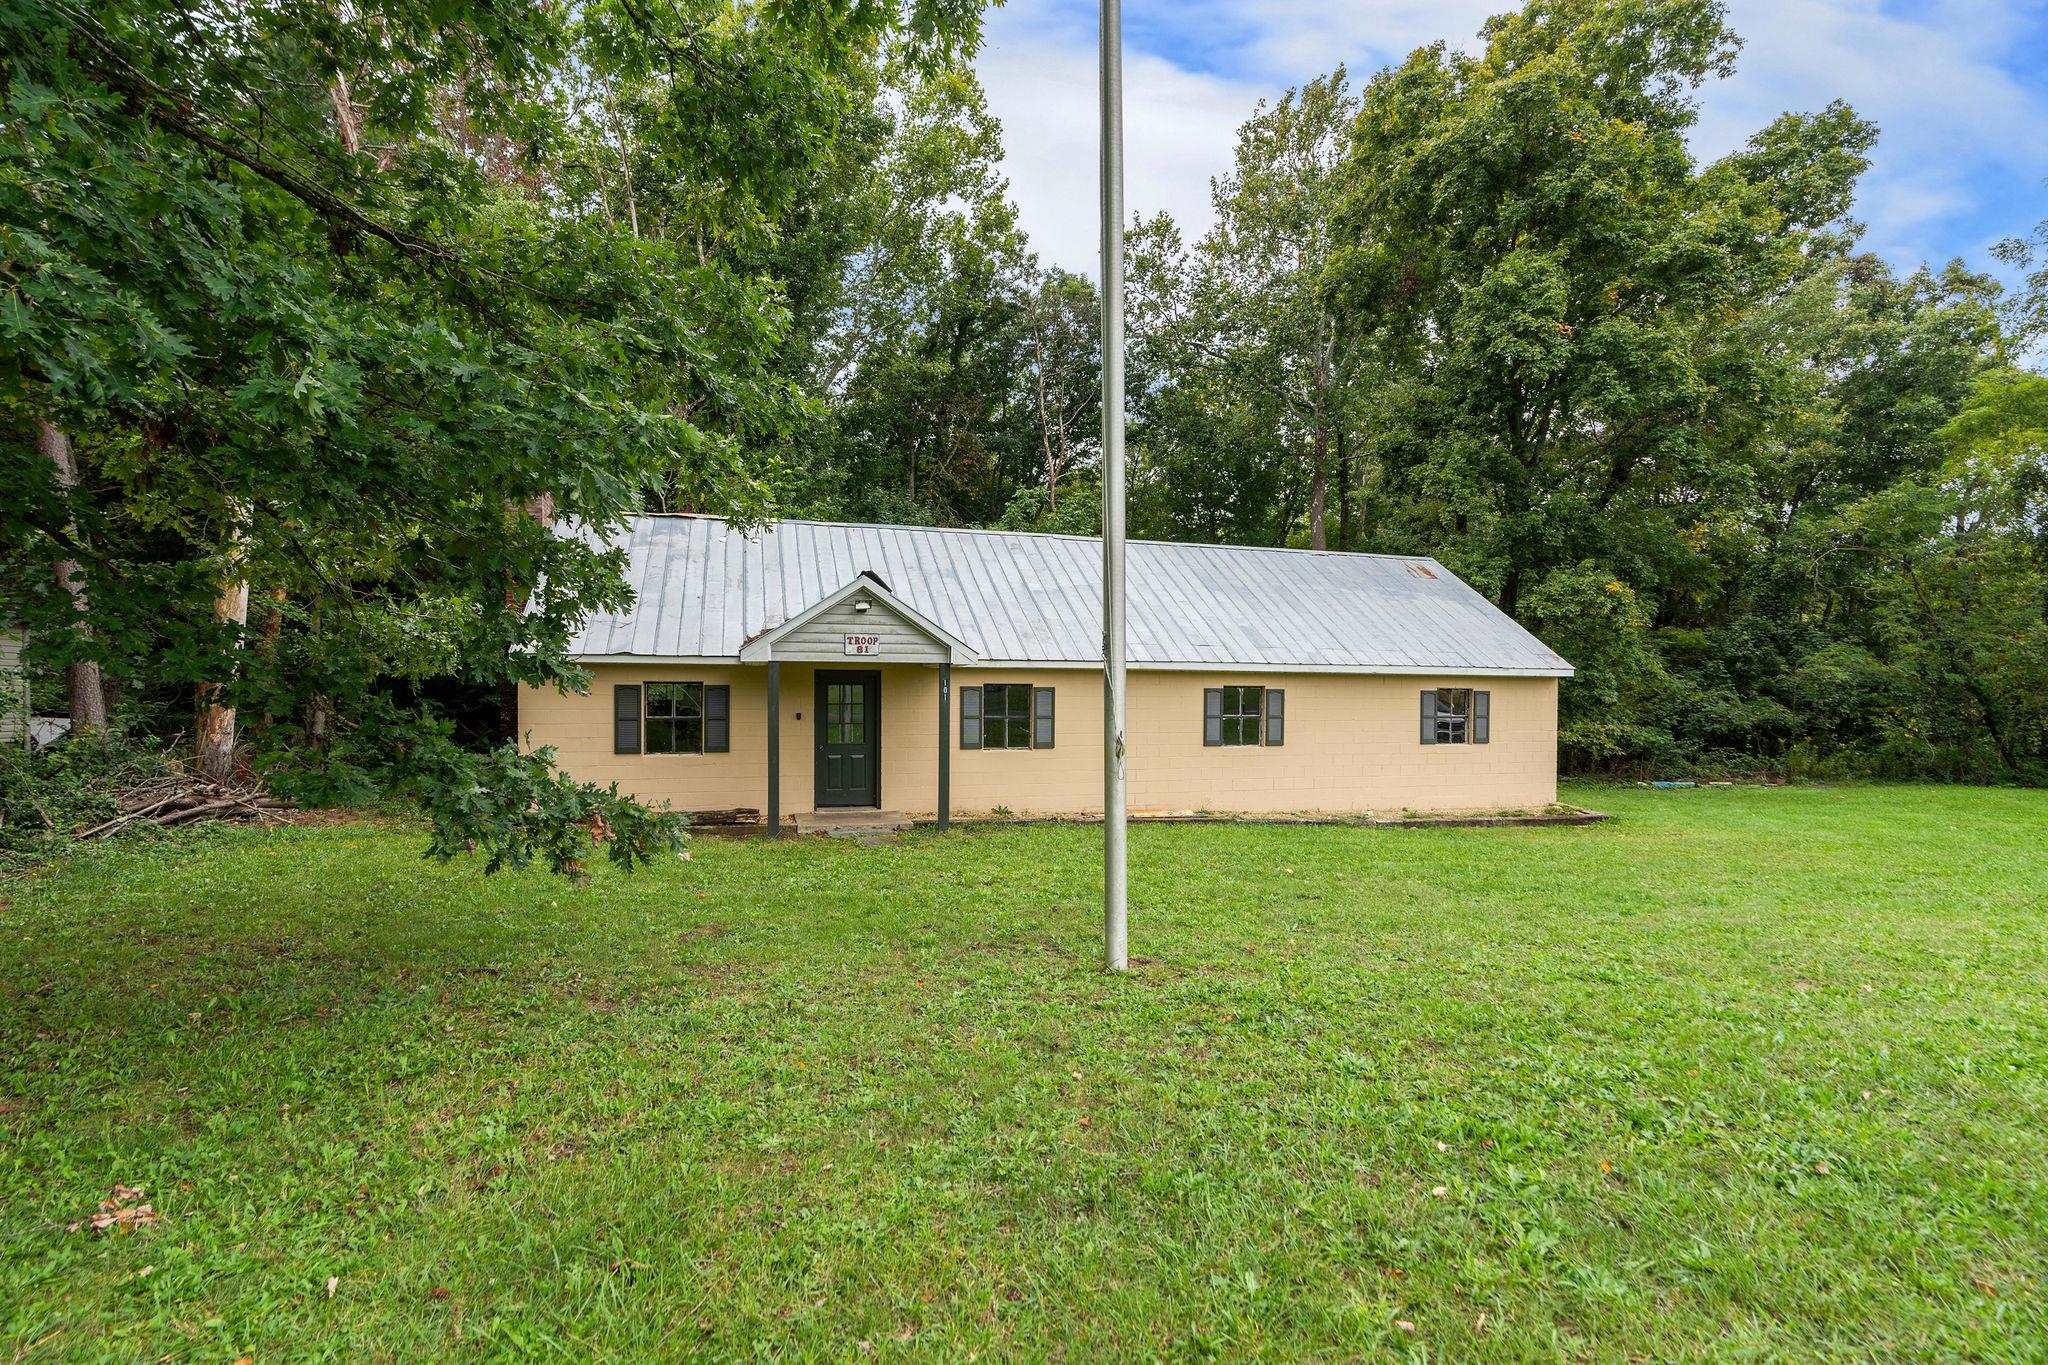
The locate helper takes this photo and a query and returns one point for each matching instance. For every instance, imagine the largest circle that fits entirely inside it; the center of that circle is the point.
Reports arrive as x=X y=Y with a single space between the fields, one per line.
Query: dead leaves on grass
x=121 y=1211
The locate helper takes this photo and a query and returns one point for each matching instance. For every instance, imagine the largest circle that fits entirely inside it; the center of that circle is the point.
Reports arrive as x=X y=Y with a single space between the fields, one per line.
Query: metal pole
x=945 y=746
x=1115 y=928
x=774 y=749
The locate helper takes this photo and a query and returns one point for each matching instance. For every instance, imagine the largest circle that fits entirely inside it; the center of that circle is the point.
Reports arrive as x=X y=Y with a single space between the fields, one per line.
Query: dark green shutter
x=970 y=718
x=1041 y=718
x=1429 y=717
x=626 y=718
x=1276 y=715
x=718 y=720
x=1212 y=715
x=1482 y=704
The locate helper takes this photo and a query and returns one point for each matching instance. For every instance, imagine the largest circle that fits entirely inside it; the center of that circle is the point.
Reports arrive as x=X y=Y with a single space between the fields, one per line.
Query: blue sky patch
x=1956 y=86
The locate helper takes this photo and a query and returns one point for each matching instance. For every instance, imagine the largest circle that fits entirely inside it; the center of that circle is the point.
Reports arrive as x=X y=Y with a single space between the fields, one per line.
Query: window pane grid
x=1453 y=714
x=675 y=718
x=1006 y=716
x=1242 y=709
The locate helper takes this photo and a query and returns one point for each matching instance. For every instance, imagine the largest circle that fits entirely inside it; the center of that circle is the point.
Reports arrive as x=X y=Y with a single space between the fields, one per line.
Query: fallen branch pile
x=177 y=798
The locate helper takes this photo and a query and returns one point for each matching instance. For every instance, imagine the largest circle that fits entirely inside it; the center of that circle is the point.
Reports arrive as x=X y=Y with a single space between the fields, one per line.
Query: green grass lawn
x=1741 y=1073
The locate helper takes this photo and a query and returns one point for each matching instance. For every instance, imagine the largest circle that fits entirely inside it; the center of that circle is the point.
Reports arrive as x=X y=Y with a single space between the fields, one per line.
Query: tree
x=1997 y=445
x=88 y=702
x=2027 y=309
x=923 y=341
x=1527 y=231
x=1590 y=330
x=317 y=293
x=1062 y=369
x=1241 y=324
x=1206 y=461
x=1268 y=253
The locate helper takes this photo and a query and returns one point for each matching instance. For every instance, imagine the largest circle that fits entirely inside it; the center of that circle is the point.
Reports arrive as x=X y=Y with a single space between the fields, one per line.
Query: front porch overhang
x=945 y=773
x=764 y=647
x=792 y=641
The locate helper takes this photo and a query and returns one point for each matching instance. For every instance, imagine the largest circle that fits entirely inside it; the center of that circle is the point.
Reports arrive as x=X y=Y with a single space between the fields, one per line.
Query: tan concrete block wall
x=580 y=729
x=1353 y=745
x=1065 y=779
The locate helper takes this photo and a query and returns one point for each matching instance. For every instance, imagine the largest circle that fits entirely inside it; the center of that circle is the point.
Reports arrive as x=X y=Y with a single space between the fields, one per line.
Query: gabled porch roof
x=868 y=586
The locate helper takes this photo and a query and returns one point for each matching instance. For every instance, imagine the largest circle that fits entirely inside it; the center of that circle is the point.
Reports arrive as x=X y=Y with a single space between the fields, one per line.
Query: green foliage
x=950 y=369
x=509 y=807
x=1527 y=230
x=922 y=348
x=515 y=807
x=1662 y=413
x=350 y=312
x=1079 y=512
x=46 y=795
x=1603 y=627
x=1998 y=450
x=1249 y=393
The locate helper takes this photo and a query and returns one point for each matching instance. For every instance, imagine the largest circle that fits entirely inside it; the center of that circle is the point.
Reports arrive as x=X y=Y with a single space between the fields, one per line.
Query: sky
x=1958 y=88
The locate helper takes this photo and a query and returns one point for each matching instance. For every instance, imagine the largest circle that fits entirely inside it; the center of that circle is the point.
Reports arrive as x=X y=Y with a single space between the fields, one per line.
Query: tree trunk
x=619 y=130
x=216 y=741
x=1318 y=486
x=541 y=508
x=88 y=698
x=1319 y=453
x=273 y=620
x=1066 y=449
x=1343 y=491
x=316 y=703
x=1052 y=468
x=347 y=123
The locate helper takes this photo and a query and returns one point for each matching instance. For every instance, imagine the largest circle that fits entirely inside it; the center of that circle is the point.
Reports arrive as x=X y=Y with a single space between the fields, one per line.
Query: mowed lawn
x=1742 y=1073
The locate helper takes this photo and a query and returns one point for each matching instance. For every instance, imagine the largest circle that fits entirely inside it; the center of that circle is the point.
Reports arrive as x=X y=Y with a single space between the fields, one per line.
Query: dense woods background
x=316 y=312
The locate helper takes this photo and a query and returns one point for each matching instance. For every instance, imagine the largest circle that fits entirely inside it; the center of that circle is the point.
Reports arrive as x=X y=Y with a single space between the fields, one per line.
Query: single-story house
x=807 y=666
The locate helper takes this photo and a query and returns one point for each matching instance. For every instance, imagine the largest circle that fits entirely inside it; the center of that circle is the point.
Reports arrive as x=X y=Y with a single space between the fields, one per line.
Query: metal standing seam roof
x=703 y=589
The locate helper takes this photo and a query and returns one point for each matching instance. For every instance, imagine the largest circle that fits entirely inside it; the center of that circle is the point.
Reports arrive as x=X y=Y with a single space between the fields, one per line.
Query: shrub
x=46 y=795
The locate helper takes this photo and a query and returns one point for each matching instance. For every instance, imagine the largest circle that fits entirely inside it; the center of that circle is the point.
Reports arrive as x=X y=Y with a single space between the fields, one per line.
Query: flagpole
x=1115 y=935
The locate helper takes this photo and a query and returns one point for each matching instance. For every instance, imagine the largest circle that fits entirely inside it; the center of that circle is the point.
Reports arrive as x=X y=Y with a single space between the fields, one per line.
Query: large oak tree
x=327 y=304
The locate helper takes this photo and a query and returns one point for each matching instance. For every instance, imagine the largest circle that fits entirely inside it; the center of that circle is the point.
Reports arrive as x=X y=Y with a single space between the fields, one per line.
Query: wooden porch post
x=774 y=749
x=945 y=749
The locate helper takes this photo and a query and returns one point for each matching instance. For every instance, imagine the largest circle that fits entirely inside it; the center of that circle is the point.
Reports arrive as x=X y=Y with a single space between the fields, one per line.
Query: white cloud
x=1305 y=38
x=1960 y=131
x=1956 y=127
x=1179 y=127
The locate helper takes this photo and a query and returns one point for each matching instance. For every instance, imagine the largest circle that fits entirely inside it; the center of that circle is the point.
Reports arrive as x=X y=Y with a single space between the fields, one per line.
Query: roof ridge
x=1039 y=535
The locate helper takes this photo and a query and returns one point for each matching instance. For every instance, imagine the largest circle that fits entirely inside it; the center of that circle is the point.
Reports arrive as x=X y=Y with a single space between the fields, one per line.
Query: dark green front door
x=849 y=738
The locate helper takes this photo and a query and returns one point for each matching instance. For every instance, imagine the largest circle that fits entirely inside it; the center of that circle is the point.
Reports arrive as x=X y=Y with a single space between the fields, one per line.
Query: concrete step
x=853 y=823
